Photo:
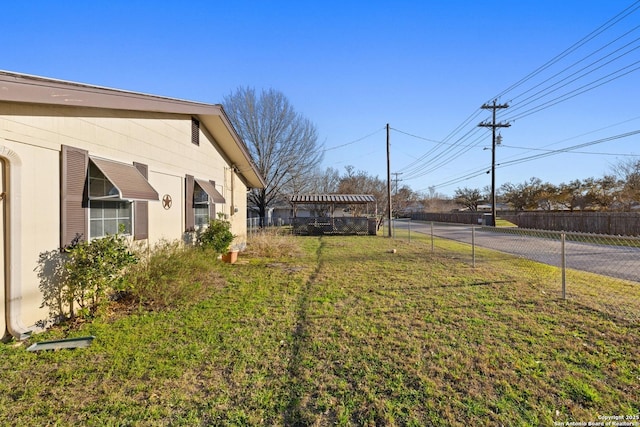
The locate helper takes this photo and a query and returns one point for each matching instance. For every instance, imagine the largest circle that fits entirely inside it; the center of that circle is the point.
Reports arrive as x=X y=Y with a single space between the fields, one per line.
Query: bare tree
x=283 y=143
x=437 y=202
x=317 y=182
x=324 y=182
x=628 y=173
x=360 y=182
x=403 y=199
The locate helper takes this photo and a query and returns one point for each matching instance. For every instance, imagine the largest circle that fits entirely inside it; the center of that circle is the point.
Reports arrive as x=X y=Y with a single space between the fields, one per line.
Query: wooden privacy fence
x=454 y=217
x=610 y=223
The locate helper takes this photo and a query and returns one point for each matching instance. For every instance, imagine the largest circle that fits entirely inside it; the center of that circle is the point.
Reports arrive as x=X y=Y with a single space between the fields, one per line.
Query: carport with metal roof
x=354 y=222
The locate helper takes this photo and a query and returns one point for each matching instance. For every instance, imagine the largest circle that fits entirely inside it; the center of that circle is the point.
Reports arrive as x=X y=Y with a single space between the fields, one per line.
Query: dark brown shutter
x=141 y=209
x=73 y=194
x=212 y=204
x=189 y=214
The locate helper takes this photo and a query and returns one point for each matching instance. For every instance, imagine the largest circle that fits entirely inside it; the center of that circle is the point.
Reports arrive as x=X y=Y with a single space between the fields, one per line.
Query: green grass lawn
x=342 y=332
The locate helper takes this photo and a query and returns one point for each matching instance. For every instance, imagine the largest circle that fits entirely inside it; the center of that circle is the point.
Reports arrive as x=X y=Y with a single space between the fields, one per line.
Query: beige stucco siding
x=36 y=133
x=36 y=171
x=166 y=224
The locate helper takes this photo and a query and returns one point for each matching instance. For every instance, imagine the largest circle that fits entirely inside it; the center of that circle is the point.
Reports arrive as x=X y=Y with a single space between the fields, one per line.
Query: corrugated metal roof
x=333 y=198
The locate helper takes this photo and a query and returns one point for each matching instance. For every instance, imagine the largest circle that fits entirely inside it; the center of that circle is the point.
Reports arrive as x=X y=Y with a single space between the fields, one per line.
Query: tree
x=359 y=182
x=282 y=142
x=469 y=198
x=523 y=196
x=628 y=173
x=571 y=195
x=326 y=182
x=546 y=196
x=437 y=202
x=601 y=192
x=403 y=198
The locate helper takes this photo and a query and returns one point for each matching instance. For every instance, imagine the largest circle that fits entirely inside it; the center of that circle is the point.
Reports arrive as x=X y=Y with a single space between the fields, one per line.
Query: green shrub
x=92 y=269
x=217 y=236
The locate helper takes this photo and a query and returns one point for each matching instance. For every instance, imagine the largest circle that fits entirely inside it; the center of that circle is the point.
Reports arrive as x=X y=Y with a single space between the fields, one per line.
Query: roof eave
x=23 y=88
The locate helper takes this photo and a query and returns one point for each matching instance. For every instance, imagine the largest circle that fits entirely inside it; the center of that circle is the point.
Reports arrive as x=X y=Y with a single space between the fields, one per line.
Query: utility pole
x=396 y=181
x=389 y=181
x=395 y=193
x=493 y=125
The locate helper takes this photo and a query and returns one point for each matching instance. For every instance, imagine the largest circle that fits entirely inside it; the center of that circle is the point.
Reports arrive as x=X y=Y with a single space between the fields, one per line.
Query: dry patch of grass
x=172 y=275
x=272 y=244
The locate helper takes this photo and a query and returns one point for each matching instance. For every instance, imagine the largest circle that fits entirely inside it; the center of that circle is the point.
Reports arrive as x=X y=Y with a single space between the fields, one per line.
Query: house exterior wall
x=34 y=136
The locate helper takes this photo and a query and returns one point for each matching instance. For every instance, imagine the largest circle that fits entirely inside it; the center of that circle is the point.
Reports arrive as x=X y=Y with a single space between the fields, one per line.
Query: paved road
x=615 y=261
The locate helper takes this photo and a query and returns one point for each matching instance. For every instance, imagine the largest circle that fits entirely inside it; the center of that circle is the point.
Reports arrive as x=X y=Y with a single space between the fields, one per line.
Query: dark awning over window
x=128 y=180
x=210 y=189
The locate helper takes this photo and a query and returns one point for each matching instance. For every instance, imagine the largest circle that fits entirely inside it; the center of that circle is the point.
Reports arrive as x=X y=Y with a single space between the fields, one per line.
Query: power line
x=574 y=152
x=416 y=136
x=445 y=151
x=545 y=92
x=578 y=91
x=480 y=172
x=608 y=24
x=581 y=60
x=569 y=149
x=443 y=158
x=352 y=142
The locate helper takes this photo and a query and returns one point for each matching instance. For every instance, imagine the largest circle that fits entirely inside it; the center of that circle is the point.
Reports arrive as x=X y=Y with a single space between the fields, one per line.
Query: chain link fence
x=598 y=271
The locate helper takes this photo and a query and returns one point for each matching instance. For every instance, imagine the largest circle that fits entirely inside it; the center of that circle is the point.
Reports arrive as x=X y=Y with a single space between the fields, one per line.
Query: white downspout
x=13 y=252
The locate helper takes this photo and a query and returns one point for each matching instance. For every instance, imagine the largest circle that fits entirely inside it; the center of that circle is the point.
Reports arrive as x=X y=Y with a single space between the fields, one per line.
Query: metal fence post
x=432 y=237
x=473 y=245
x=564 y=265
x=409 y=229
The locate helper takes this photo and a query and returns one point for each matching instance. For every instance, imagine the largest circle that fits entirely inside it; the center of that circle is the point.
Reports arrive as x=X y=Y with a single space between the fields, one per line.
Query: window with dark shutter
x=98 y=197
x=212 y=204
x=114 y=192
x=189 y=215
x=73 y=195
x=201 y=197
x=195 y=131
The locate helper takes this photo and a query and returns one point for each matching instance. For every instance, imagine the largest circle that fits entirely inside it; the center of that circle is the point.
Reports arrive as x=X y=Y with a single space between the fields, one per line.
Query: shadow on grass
x=293 y=415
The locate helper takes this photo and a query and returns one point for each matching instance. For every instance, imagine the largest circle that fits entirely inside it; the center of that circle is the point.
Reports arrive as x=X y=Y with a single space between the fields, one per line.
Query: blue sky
x=351 y=67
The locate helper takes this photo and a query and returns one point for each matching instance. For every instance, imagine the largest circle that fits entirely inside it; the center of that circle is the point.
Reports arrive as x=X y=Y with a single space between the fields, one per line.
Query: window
x=200 y=202
x=106 y=213
x=97 y=196
x=107 y=217
x=200 y=206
